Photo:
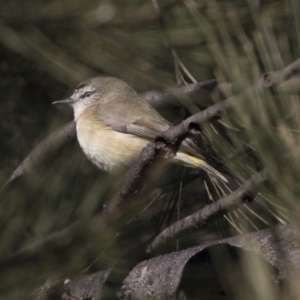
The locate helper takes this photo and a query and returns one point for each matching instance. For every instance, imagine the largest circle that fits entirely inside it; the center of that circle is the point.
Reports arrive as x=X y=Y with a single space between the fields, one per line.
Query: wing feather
x=130 y=122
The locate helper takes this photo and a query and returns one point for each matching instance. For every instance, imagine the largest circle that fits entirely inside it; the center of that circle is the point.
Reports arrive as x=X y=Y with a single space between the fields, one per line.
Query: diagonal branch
x=209 y=213
x=51 y=144
x=198 y=92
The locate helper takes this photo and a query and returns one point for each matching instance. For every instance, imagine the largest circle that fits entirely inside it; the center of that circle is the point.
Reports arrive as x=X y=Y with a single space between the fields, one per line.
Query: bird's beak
x=66 y=101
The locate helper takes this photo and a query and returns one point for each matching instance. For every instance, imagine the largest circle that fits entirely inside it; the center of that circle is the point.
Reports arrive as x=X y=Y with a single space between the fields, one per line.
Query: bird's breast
x=108 y=149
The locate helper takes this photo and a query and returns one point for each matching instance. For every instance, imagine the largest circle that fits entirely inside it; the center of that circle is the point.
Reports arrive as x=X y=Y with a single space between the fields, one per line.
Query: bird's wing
x=147 y=128
x=150 y=128
x=135 y=117
x=147 y=124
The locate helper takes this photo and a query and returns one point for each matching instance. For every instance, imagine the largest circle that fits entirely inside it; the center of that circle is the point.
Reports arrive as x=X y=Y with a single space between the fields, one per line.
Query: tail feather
x=190 y=161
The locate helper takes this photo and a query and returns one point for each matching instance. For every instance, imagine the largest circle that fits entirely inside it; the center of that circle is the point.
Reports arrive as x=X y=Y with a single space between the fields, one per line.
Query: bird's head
x=92 y=91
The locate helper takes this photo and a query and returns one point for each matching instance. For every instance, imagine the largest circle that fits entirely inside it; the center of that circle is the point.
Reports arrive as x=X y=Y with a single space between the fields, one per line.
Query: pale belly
x=107 y=149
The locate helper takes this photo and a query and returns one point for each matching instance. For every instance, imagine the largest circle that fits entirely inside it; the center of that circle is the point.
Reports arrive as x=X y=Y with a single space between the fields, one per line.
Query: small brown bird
x=113 y=125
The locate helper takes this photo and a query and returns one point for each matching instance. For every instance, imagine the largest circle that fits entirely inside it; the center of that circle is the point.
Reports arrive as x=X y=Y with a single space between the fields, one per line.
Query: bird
x=114 y=124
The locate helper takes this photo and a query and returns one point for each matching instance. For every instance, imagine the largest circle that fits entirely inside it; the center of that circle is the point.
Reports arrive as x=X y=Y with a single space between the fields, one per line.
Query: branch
x=198 y=92
x=291 y=68
x=51 y=144
x=209 y=213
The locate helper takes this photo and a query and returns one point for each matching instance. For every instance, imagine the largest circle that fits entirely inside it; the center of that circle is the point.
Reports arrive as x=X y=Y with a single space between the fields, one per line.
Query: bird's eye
x=87 y=94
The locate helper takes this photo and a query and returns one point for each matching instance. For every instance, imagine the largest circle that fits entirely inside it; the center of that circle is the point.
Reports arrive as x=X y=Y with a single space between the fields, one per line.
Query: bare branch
x=209 y=213
x=51 y=144
x=291 y=68
x=198 y=92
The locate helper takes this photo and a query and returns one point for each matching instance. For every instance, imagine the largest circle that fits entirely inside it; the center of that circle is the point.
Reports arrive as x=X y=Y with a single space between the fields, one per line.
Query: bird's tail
x=191 y=161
